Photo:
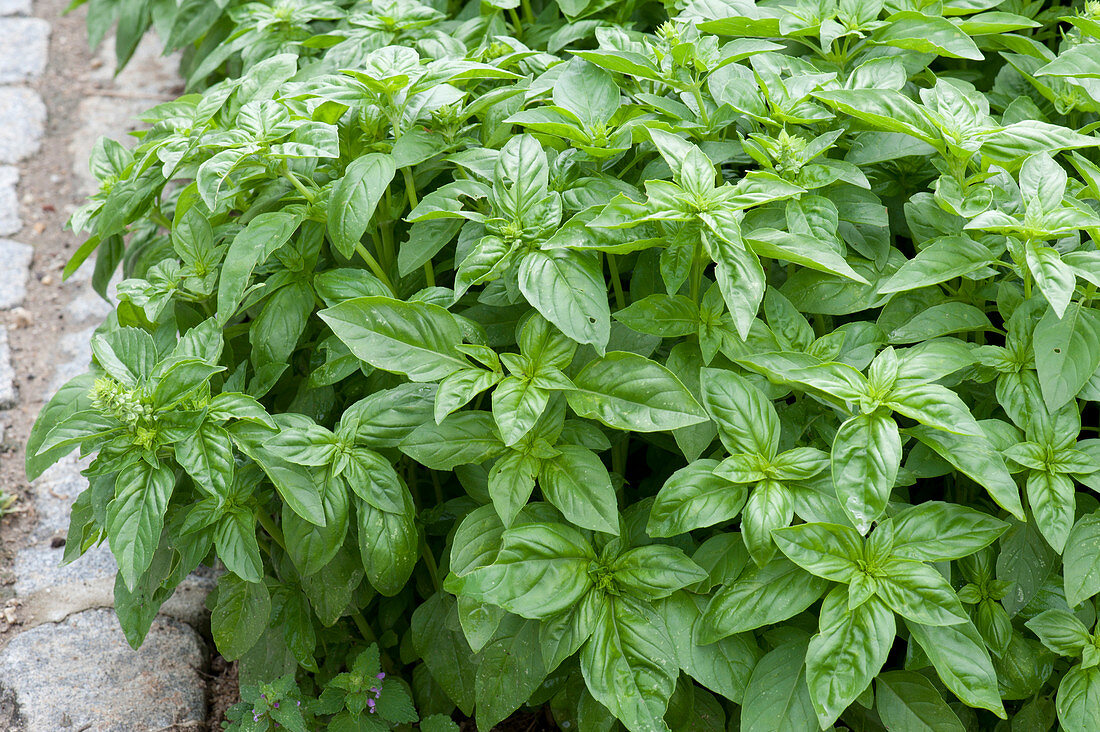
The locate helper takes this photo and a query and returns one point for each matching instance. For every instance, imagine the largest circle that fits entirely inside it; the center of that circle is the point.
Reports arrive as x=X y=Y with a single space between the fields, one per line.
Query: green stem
x=161 y=219
x=364 y=627
x=528 y=13
x=516 y=23
x=387 y=243
x=414 y=483
x=272 y=530
x=620 y=299
x=410 y=193
x=429 y=561
x=410 y=188
x=306 y=193
x=370 y=637
x=618 y=465
x=437 y=486
x=387 y=252
x=703 y=116
x=375 y=267
x=697 y=267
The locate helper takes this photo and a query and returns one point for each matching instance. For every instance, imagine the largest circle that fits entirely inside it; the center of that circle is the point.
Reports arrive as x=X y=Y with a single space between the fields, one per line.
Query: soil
x=520 y=722
x=222 y=691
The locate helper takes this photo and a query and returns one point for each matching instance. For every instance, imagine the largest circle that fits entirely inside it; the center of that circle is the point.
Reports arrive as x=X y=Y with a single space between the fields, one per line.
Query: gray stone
x=150 y=78
x=37 y=565
x=76 y=350
x=10 y=223
x=24 y=43
x=54 y=493
x=8 y=393
x=149 y=71
x=15 y=7
x=88 y=305
x=53 y=604
x=22 y=123
x=80 y=674
x=15 y=261
x=103 y=117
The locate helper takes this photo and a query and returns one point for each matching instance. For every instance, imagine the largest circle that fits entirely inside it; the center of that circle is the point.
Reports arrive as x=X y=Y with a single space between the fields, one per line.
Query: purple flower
x=381 y=675
x=276 y=705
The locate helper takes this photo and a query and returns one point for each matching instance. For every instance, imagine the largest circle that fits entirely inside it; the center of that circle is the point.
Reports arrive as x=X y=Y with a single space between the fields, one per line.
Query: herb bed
x=672 y=367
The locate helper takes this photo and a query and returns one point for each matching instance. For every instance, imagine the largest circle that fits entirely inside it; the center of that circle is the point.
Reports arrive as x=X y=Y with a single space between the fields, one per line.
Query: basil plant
x=705 y=365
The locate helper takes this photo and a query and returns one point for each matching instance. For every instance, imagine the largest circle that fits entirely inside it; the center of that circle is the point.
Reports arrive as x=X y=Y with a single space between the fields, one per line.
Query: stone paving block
x=37 y=567
x=22 y=123
x=10 y=223
x=103 y=117
x=8 y=394
x=81 y=674
x=149 y=71
x=38 y=564
x=87 y=305
x=15 y=262
x=24 y=43
x=15 y=7
x=76 y=350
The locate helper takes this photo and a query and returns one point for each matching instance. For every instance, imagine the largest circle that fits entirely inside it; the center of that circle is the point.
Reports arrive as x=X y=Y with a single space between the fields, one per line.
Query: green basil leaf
x=936 y=531
x=240 y=615
x=962 y=663
x=578 y=485
x=907 y=700
x=834 y=674
x=826 y=550
x=461 y=439
x=1060 y=631
x=760 y=596
x=918 y=593
x=1081 y=560
x=250 y=248
x=415 y=339
x=694 y=497
x=541 y=570
x=509 y=670
x=625 y=664
x=746 y=419
x=1067 y=353
x=629 y=392
x=135 y=517
x=354 y=198
x=567 y=288
x=1078 y=699
x=654 y=571
x=723 y=667
x=865 y=458
x=777 y=692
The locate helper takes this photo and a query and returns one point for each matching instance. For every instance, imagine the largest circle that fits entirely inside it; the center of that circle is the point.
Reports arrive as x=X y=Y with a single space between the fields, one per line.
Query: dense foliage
x=714 y=365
